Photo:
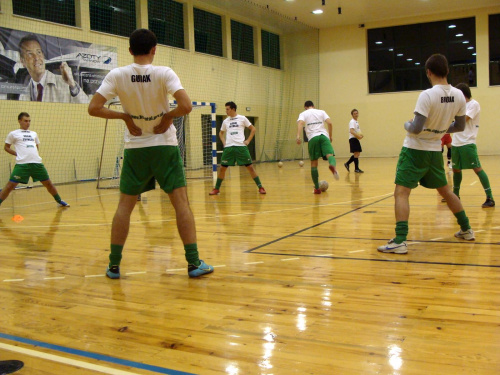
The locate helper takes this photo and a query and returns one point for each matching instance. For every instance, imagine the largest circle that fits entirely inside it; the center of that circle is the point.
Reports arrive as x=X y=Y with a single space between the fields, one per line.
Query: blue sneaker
x=62 y=204
x=113 y=272
x=202 y=269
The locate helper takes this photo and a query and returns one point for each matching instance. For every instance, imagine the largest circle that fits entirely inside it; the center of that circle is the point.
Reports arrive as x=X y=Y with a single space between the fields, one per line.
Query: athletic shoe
x=316 y=191
x=139 y=198
x=489 y=203
x=62 y=204
x=334 y=171
x=393 y=247
x=214 y=192
x=262 y=190
x=113 y=272
x=468 y=235
x=202 y=269
x=449 y=164
x=346 y=166
x=358 y=171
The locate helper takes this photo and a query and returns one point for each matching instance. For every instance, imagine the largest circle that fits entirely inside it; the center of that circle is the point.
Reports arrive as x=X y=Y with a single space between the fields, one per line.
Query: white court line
x=67 y=361
x=413 y=243
x=356 y=251
x=286 y=260
x=94 y=275
x=220 y=265
x=475 y=182
x=9 y=280
x=479 y=231
x=436 y=239
x=175 y=269
x=135 y=273
x=253 y=263
x=54 y=278
x=495 y=228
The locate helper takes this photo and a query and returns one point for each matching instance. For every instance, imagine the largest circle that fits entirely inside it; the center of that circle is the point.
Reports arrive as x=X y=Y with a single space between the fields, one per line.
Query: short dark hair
x=465 y=90
x=354 y=110
x=438 y=65
x=231 y=105
x=27 y=38
x=23 y=114
x=141 y=41
x=308 y=104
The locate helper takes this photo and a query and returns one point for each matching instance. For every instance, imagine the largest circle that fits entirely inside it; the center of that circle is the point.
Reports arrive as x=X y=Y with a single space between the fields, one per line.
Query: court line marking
x=436 y=239
x=475 y=182
x=287 y=259
x=355 y=251
x=135 y=273
x=253 y=263
x=12 y=280
x=94 y=276
x=54 y=278
x=85 y=354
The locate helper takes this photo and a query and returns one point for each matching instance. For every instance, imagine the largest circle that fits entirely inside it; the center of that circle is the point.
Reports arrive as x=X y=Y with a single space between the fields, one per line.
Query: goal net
x=195 y=135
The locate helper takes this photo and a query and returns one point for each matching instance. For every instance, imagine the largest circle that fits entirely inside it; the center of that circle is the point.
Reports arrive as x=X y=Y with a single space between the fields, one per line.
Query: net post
x=213 y=106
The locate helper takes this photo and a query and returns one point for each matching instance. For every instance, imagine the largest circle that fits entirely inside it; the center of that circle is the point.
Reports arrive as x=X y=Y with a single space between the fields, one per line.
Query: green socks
x=457 y=180
x=192 y=256
x=315 y=177
x=462 y=220
x=401 y=231
x=218 y=183
x=116 y=255
x=57 y=198
x=332 y=161
x=257 y=181
x=483 y=177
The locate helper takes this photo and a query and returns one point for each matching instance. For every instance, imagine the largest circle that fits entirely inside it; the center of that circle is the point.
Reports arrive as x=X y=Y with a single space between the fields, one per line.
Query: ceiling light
x=378 y=42
x=452 y=26
x=470 y=47
x=317 y=11
x=399 y=54
x=459 y=35
x=474 y=54
x=465 y=42
x=409 y=59
x=417 y=63
x=391 y=49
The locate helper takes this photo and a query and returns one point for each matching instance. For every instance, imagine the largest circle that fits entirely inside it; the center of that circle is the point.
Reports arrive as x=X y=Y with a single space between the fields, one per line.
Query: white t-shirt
x=353 y=124
x=143 y=91
x=314 y=120
x=235 y=130
x=440 y=104
x=25 y=142
x=468 y=136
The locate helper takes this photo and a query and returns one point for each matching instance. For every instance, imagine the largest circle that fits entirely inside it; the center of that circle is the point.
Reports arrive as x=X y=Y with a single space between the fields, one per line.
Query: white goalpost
x=196 y=135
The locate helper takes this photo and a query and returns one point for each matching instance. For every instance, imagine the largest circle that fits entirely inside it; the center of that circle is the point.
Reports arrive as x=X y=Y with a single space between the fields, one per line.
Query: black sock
x=350 y=160
x=356 y=163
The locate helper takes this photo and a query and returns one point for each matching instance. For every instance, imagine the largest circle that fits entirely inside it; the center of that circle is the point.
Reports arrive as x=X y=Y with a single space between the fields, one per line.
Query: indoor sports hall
x=299 y=286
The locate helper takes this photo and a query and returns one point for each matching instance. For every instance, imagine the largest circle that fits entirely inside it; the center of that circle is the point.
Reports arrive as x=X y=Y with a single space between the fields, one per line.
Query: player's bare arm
x=183 y=108
x=330 y=128
x=300 y=126
x=250 y=137
x=7 y=148
x=97 y=109
x=222 y=136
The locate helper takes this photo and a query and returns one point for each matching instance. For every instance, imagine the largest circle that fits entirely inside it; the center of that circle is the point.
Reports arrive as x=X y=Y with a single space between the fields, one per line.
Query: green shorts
x=23 y=172
x=319 y=147
x=235 y=155
x=142 y=166
x=416 y=166
x=465 y=157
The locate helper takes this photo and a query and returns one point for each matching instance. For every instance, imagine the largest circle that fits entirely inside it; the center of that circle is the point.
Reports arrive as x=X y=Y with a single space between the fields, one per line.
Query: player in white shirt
x=151 y=151
x=232 y=135
x=28 y=161
x=354 y=144
x=420 y=160
x=464 y=150
x=320 y=140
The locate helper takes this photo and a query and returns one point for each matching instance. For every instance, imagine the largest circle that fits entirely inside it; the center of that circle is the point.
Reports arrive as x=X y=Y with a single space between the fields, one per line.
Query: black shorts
x=354 y=144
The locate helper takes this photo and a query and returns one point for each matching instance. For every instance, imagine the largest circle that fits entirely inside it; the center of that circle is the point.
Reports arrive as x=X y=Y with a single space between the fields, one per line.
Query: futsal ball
x=323 y=185
x=301 y=163
x=280 y=164
x=359 y=133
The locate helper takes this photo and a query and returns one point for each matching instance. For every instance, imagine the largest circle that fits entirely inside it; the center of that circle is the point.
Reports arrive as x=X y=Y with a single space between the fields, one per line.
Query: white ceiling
x=355 y=12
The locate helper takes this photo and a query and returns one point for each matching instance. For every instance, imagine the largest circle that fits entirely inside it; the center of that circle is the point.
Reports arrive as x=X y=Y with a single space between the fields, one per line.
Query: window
x=242 y=42
x=270 y=50
x=397 y=55
x=166 y=20
x=113 y=16
x=494 y=37
x=59 y=11
x=207 y=32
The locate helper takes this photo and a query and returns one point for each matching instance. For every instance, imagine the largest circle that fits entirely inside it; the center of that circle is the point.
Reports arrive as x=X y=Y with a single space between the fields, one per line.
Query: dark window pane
x=494 y=39
x=400 y=53
x=166 y=20
x=113 y=16
x=242 y=42
x=270 y=50
x=59 y=11
x=207 y=32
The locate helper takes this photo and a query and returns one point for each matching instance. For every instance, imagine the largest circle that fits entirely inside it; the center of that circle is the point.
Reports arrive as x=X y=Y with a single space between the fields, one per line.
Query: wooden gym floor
x=298 y=287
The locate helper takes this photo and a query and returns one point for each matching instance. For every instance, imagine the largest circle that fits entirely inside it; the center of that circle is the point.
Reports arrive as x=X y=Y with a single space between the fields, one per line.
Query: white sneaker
x=393 y=247
x=468 y=235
